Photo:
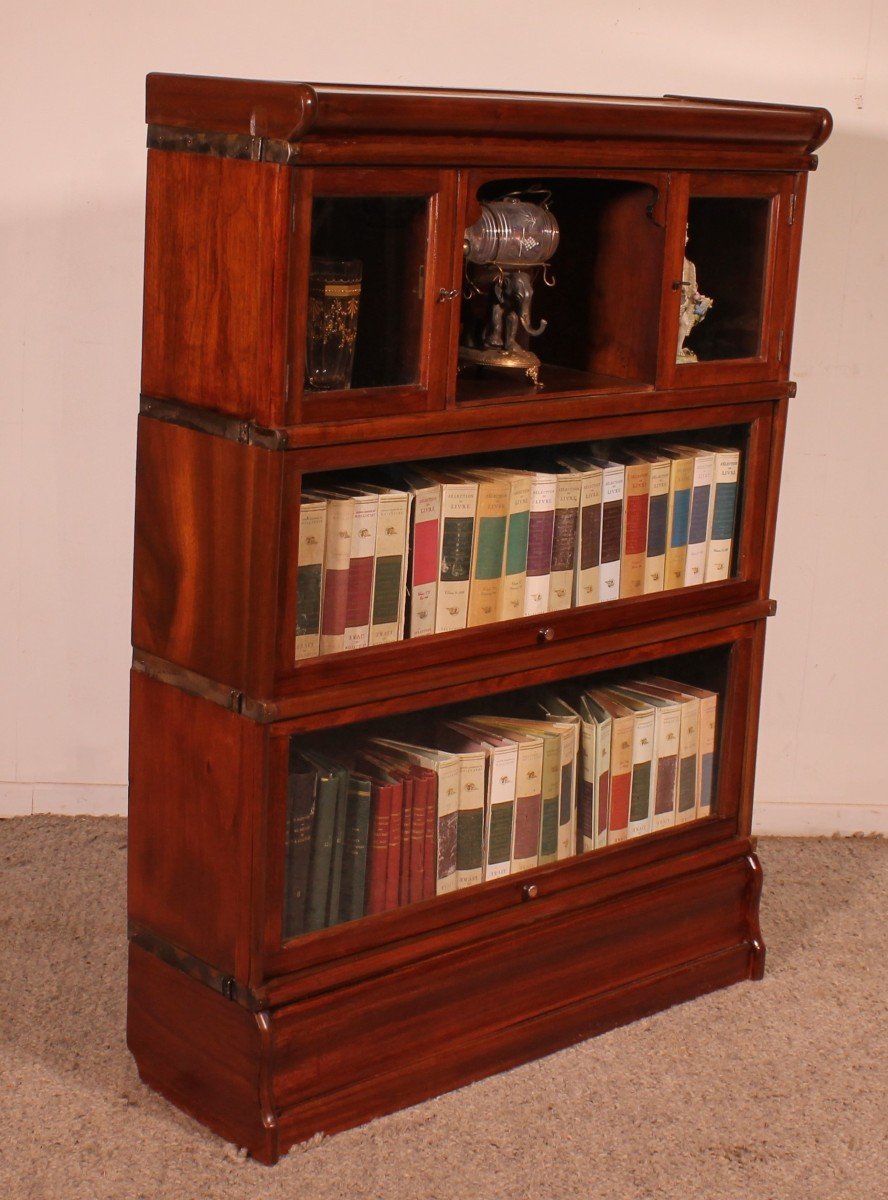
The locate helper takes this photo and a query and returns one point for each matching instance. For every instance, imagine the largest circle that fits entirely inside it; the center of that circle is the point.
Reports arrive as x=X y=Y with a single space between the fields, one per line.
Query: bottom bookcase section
x=620 y=949
x=410 y=808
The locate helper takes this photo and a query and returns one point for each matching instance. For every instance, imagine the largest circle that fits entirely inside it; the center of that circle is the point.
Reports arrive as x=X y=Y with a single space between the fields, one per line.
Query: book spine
x=407 y=817
x=387 y=614
x=635 y=523
x=417 y=886
x=321 y=853
x=551 y=799
x=567 y=823
x=679 y=513
x=470 y=822
x=642 y=772
x=360 y=573
x=564 y=541
x=430 y=848
x=395 y=832
x=698 y=527
x=528 y=806
x=588 y=815
x=604 y=784
x=539 y=544
x=658 y=511
x=491 y=521
x=502 y=768
x=335 y=888
x=309 y=578
x=688 y=763
x=724 y=507
x=448 y=816
x=378 y=849
x=708 y=714
x=515 y=569
x=355 y=850
x=458 y=502
x=611 y=532
x=300 y=820
x=667 y=748
x=337 y=560
x=620 y=780
x=424 y=560
x=586 y=585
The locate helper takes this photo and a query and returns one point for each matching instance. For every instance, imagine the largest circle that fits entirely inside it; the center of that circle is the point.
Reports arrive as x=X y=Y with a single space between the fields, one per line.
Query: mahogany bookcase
x=266 y=1040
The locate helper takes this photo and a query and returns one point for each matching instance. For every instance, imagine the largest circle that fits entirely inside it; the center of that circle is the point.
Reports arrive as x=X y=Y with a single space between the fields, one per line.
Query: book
x=551 y=780
x=597 y=738
x=355 y=848
x=541 y=528
x=725 y=478
x=700 y=514
x=361 y=568
x=622 y=742
x=317 y=906
x=501 y=756
x=612 y=485
x=446 y=767
x=517 y=530
x=459 y=499
x=687 y=787
x=658 y=513
x=564 y=539
x=424 y=560
x=708 y=721
x=390 y=567
x=643 y=761
x=566 y=719
x=489 y=546
x=586 y=589
x=337 y=561
x=665 y=760
x=379 y=768
x=636 y=496
x=378 y=844
x=310 y=576
x=302 y=778
x=528 y=791
x=678 y=515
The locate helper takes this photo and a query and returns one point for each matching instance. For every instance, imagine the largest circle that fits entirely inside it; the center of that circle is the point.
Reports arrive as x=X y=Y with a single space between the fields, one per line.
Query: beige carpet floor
x=770 y=1091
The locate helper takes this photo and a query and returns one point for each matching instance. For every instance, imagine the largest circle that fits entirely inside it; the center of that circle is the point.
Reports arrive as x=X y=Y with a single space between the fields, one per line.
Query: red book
x=379 y=770
x=378 y=846
x=430 y=860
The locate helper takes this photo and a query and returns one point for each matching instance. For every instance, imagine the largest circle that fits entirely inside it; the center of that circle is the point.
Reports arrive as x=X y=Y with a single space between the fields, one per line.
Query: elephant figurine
x=512 y=297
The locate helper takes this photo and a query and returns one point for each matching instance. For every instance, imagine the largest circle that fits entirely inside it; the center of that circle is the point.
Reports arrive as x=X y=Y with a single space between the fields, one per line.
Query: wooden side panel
x=196 y=780
x=214 y=331
x=202 y=1052
x=206 y=551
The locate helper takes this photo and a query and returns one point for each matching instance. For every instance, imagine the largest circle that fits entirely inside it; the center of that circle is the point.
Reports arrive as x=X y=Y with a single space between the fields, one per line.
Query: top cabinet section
x=320 y=257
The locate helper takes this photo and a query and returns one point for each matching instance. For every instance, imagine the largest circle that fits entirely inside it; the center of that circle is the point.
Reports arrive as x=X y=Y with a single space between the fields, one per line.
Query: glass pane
x=727 y=248
x=381 y=242
x=402 y=809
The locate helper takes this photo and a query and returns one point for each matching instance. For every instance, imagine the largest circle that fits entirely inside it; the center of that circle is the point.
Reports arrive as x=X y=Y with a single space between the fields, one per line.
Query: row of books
x=445 y=547
x=480 y=797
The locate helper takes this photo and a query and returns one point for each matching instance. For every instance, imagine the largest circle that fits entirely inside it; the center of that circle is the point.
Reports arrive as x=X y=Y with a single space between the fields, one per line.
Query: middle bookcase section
x=447 y=546
x=562 y=279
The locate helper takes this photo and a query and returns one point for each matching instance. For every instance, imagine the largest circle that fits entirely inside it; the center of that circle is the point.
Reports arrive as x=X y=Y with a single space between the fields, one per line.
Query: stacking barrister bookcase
x=269 y=1037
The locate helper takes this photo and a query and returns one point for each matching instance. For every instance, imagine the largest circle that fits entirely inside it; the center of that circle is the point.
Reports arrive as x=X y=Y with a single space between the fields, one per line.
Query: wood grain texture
x=195 y=838
x=206 y=554
x=214 y=321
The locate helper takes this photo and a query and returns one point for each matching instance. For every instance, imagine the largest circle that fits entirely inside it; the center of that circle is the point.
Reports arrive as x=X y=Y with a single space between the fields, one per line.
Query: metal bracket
x=245 y=433
x=195 y=968
x=260 y=711
x=248 y=147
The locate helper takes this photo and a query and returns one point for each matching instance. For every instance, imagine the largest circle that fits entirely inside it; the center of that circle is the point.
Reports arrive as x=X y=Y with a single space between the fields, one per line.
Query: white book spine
x=609 y=570
x=726 y=477
x=708 y=712
x=565 y=541
x=688 y=797
x=310 y=567
x=642 y=774
x=458 y=504
x=337 y=557
x=586 y=588
x=470 y=823
x=387 y=619
x=655 y=565
x=426 y=539
x=701 y=509
x=589 y=786
x=539 y=544
x=448 y=808
x=602 y=787
x=363 y=547
x=500 y=815
x=665 y=790
x=512 y=595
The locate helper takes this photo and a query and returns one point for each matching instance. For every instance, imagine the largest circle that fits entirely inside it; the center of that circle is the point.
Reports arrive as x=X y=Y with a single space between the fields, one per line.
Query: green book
x=302 y=779
x=326 y=801
x=354 y=850
x=342 y=777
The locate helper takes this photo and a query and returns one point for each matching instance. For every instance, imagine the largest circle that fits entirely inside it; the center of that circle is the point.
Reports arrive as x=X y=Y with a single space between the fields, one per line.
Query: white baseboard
x=787 y=819
x=63 y=799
